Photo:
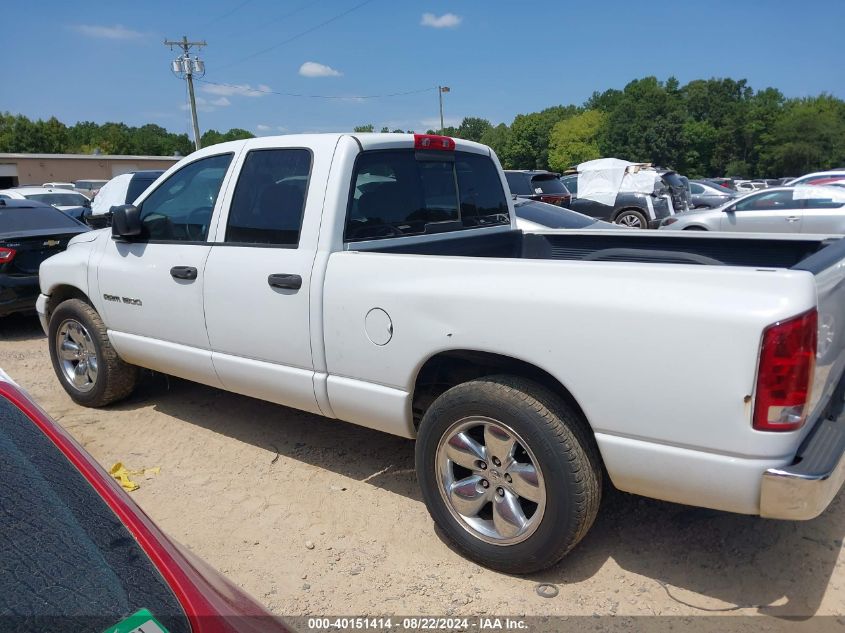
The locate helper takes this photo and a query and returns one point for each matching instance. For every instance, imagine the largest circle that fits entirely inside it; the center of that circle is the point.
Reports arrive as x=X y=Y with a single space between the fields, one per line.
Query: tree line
x=19 y=134
x=707 y=127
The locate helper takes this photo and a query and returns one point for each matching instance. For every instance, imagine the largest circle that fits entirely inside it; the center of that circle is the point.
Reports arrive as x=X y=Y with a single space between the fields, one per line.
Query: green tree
x=498 y=138
x=472 y=128
x=809 y=136
x=575 y=140
x=363 y=129
x=528 y=142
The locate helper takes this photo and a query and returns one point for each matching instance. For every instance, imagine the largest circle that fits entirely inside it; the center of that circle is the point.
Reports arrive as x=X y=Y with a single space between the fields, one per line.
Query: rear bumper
x=17 y=294
x=803 y=489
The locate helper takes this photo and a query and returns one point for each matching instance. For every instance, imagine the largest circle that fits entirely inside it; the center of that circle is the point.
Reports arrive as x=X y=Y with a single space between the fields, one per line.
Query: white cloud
x=243 y=90
x=445 y=21
x=263 y=128
x=116 y=32
x=313 y=69
x=208 y=105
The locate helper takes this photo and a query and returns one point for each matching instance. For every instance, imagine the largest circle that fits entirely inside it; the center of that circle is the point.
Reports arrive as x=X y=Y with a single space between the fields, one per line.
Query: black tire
x=115 y=379
x=566 y=454
x=694 y=228
x=633 y=218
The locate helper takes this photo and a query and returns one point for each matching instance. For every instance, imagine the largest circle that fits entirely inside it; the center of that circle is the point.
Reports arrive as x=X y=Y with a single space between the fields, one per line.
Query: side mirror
x=729 y=209
x=125 y=222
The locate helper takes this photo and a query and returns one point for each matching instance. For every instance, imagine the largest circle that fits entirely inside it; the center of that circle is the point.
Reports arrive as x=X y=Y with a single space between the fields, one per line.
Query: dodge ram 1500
x=380 y=279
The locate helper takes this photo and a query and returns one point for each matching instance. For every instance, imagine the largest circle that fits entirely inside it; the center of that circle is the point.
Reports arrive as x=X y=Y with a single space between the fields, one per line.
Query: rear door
x=767 y=211
x=259 y=272
x=824 y=210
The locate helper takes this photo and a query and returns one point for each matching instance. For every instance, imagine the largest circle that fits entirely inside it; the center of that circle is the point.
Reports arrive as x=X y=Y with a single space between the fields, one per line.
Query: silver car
x=802 y=209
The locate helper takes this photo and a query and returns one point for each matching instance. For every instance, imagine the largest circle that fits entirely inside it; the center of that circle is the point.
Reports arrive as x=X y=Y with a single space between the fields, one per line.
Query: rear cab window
x=398 y=193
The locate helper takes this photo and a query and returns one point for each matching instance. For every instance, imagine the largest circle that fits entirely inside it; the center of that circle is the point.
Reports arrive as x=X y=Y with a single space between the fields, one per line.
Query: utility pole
x=187 y=67
x=440 y=91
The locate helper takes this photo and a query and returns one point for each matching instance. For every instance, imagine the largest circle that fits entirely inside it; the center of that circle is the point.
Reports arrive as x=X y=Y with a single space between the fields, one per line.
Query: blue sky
x=105 y=61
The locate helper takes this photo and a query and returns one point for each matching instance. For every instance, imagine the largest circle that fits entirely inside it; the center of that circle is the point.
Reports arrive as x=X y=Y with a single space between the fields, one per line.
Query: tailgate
x=828 y=268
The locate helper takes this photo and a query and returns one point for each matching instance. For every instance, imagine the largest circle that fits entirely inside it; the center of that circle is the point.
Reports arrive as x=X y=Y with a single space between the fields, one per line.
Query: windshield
x=59 y=199
x=551 y=216
x=548 y=184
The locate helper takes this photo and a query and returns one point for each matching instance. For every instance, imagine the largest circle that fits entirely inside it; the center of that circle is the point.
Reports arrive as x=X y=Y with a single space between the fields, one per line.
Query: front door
x=151 y=287
x=768 y=211
x=258 y=277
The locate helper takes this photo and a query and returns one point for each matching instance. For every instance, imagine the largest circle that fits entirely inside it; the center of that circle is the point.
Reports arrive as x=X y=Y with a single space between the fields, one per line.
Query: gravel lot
x=247 y=484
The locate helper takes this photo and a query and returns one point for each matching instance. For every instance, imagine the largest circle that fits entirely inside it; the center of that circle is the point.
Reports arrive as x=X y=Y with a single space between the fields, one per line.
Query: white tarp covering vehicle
x=602 y=179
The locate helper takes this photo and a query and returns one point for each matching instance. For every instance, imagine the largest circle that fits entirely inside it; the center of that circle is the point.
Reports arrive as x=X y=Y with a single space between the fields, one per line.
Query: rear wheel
x=86 y=364
x=632 y=218
x=509 y=472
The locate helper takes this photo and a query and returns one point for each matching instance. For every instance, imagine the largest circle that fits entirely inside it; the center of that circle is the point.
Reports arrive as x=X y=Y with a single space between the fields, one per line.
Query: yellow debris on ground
x=123 y=474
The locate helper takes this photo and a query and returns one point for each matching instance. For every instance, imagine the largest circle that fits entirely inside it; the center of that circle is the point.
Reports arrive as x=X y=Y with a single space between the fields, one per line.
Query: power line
x=287 y=15
x=300 y=34
x=307 y=96
x=228 y=13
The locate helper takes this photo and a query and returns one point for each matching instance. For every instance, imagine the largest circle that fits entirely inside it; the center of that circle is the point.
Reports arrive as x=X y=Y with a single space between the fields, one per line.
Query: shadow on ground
x=20 y=327
x=780 y=568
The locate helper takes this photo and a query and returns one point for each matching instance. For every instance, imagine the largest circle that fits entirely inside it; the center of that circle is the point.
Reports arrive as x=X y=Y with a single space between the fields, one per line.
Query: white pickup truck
x=380 y=279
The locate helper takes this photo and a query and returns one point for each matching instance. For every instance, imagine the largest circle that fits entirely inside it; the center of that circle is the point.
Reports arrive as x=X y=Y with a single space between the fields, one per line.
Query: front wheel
x=632 y=218
x=509 y=472
x=85 y=363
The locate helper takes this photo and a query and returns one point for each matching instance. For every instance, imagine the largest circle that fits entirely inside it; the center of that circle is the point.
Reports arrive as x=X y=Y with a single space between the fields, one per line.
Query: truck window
x=394 y=194
x=180 y=208
x=269 y=198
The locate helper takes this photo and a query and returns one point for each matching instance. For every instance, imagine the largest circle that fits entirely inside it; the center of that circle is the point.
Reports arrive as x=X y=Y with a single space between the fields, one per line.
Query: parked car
x=79 y=554
x=802 y=209
x=122 y=189
x=88 y=188
x=71 y=203
x=819 y=178
x=541 y=185
x=728 y=183
x=30 y=232
x=532 y=216
x=58 y=185
x=392 y=288
x=630 y=194
x=706 y=194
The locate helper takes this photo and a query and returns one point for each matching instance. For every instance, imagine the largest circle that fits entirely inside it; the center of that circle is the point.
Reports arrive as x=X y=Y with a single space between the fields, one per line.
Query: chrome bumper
x=805 y=488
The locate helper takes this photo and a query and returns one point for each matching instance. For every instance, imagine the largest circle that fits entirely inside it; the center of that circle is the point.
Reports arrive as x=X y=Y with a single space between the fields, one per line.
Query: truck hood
x=88 y=236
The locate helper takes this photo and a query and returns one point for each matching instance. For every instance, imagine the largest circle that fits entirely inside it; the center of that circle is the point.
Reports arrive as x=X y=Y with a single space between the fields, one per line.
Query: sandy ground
x=245 y=484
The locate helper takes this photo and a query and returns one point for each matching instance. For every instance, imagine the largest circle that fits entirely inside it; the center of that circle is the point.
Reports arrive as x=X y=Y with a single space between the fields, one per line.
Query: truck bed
x=789 y=251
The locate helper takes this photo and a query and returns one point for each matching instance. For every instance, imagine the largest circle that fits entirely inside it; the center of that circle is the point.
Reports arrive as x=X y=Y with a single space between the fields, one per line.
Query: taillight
x=434 y=141
x=785 y=375
x=6 y=254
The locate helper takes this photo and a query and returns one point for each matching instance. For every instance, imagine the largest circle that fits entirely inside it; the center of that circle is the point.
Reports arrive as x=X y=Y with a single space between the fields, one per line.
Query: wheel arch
x=63 y=292
x=449 y=368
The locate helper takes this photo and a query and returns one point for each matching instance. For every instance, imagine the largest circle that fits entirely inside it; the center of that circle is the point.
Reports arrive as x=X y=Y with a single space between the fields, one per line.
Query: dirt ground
x=246 y=484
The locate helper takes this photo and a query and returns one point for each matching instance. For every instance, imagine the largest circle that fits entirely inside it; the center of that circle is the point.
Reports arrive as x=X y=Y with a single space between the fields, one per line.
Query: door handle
x=183 y=272
x=284 y=281
x=792 y=218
